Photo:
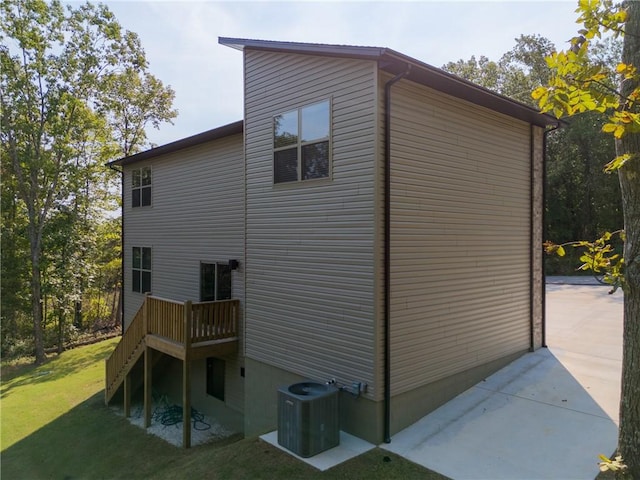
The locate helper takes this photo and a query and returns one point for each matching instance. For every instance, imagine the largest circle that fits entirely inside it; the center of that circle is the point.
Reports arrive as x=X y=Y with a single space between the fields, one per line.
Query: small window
x=301 y=140
x=141 y=269
x=215 y=377
x=141 y=187
x=215 y=282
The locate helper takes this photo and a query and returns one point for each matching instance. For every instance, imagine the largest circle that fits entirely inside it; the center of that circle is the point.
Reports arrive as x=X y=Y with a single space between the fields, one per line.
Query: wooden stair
x=124 y=356
x=183 y=330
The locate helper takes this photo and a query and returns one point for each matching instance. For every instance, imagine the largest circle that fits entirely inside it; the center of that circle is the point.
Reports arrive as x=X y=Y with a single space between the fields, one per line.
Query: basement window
x=141 y=187
x=301 y=143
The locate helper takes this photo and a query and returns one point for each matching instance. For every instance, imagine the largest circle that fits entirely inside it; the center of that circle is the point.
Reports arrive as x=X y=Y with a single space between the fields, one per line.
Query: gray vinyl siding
x=196 y=215
x=310 y=245
x=460 y=236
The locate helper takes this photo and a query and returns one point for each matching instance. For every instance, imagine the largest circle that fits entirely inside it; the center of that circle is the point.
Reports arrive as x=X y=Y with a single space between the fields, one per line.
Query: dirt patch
x=166 y=423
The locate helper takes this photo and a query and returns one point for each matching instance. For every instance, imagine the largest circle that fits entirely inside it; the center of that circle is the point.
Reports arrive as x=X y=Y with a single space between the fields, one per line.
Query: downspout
x=387 y=252
x=544 y=229
x=121 y=302
x=532 y=246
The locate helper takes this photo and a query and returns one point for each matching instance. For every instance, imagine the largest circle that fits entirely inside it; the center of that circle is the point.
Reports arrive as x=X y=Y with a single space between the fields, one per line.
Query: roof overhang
x=370 y=53
x=422 y=73
x=194 y=140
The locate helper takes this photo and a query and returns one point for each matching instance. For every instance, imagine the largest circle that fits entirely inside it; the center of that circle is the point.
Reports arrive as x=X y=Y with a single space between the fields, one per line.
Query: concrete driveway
x=549 y=414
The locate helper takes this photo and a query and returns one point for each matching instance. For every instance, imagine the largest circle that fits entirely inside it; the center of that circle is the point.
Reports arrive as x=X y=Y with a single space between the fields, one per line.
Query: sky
x=181 y=40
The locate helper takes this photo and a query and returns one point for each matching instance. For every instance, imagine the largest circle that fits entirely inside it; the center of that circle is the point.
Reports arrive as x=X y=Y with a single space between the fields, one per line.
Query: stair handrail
x=131 y=339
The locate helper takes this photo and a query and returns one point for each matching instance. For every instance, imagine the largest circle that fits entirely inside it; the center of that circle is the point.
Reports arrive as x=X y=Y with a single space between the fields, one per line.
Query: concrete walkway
x=548 y=414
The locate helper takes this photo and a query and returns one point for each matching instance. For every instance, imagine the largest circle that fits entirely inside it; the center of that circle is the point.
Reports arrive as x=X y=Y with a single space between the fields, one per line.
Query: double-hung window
x=215 y=282
x=141 y=187
x=141 y=269
x=301 y=143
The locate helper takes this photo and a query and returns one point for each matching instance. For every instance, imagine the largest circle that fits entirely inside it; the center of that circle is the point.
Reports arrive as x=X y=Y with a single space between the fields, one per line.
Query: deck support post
x=148 y=369
x=127 y=395
x=186 y=378
x=148 y=365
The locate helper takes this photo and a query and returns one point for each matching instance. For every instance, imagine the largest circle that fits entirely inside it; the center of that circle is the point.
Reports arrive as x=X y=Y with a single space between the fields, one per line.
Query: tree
x=483 y=72
x=524 y=67
x=130 y=102
x=65 y=75
x=517 y=72
x=582 y=201
x=578 y=85
x=14 y=258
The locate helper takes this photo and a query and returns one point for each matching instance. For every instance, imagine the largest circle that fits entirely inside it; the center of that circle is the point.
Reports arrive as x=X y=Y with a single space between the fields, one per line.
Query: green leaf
x=617 y=163
x=619 y=132
x=538 y=93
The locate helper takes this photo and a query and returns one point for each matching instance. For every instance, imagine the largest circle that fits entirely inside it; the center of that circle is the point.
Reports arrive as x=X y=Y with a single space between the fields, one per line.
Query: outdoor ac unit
x=308 y=421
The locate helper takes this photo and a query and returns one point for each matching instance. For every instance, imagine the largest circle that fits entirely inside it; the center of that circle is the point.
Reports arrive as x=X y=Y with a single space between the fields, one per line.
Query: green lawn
x=55 y=425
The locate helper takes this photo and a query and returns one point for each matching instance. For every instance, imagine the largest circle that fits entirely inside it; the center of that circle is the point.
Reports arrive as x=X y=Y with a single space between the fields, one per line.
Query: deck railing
x=185 y=323
x=166 y=318
x=214 y=320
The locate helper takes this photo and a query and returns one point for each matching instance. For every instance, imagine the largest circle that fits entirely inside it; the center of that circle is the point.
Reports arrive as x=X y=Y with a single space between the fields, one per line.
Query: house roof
x=209 y=135
x=388 y=60
x=395 y=62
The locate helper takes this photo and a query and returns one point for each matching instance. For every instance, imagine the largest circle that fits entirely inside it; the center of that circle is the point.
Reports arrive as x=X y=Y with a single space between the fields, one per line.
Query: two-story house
x=372 y=219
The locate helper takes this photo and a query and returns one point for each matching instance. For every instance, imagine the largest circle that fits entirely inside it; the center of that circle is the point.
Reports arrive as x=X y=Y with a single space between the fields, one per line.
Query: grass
x=55 y=425
x=34 y=396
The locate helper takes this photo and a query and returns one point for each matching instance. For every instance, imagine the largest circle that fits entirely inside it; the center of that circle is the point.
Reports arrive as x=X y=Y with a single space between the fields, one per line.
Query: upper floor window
x=141 y=269
x=141 y=187
x=301 y=141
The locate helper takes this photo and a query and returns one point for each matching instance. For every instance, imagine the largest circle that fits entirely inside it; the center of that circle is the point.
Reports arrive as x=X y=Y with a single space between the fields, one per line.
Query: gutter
x=387 y=251
x=121 y=301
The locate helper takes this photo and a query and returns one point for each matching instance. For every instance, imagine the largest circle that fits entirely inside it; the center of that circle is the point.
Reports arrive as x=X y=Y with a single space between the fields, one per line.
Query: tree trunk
x=77 y=312
x=629 y=440
x=60 y=332
x=36 y=303
x=119 y=312
x=629 y=175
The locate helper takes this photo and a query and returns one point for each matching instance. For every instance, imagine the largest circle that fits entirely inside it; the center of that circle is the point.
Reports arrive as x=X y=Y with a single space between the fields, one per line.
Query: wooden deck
x=184 y=330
